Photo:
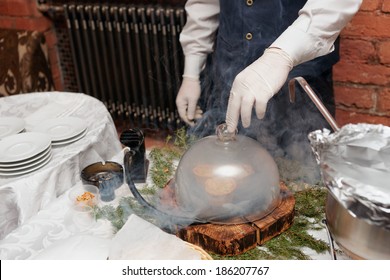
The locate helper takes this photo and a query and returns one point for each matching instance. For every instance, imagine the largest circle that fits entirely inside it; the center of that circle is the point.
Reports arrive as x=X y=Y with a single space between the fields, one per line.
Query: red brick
x=34 y=10
x=368 y=24
x=354 y=97
x=53 y=57
x=361 y=73
x=57 y=77
x=386 y=6
x=38 y=24
x=357 y=50
x=370 y=5
x=56 y=74
x=3 y=8
x=344 y=117
x=51 y=38
x=19 y=9
x=7 y=22
x=384 y=101
x=384 y=51
x=59 y=84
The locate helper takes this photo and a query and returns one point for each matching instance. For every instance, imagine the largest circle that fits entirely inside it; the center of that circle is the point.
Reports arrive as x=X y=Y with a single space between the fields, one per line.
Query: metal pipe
x=166 y=62
x=140 y=63
x=157 y=55
x=330 y=238
x=43 y=7
x=175 y=50
x=131 y=62
x=112 y=49
x=103 y=45
x=314 y=98
x=96 y=53
x=89 y=61
x=81 y=51
x=125 y=89
x=145 y=35
x=73 y=47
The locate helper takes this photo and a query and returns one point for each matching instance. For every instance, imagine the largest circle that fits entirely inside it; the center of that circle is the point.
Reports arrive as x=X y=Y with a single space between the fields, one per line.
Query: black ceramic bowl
x=107 y=173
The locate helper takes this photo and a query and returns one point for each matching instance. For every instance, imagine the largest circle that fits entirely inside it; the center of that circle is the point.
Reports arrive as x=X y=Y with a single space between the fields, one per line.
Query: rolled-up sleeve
x=317 y=27
x=198 y=34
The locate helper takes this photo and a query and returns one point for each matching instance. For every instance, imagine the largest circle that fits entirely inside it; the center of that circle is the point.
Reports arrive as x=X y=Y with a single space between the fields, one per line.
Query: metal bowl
x=356 y=237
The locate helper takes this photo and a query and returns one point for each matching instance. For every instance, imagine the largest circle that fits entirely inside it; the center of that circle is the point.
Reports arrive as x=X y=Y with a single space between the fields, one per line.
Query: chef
x=239 y=57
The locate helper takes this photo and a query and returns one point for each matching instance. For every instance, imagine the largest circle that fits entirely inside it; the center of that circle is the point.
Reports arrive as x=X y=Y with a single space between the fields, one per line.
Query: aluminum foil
x=355 y=166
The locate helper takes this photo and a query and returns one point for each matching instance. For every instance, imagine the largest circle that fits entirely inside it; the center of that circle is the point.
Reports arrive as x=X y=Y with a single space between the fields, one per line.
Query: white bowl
x=83 y=198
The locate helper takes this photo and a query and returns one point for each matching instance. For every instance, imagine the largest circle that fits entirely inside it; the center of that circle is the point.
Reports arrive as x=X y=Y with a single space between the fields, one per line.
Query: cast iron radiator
x=129 y=57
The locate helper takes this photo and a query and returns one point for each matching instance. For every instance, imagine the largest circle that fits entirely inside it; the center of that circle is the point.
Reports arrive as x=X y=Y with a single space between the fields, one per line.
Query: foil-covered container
x=355 y=166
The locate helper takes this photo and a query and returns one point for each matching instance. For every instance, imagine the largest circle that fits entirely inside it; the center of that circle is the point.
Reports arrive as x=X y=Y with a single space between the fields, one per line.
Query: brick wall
x=362 y=77
x=24 y=15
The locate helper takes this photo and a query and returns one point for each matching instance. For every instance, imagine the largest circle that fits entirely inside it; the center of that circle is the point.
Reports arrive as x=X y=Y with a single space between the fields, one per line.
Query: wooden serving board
x=230 y=240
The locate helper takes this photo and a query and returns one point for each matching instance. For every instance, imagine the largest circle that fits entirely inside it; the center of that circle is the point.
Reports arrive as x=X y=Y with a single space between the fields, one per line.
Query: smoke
x=284 y=129
x=283 y=133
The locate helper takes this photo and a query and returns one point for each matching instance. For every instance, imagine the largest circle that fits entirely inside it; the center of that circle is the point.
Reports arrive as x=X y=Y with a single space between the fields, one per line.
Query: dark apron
x=284 y=129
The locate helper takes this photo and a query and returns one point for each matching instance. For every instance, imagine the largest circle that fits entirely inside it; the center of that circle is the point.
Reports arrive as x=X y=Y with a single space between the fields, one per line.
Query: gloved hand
x=255 y=85
x=189 y=92
x=187 y=99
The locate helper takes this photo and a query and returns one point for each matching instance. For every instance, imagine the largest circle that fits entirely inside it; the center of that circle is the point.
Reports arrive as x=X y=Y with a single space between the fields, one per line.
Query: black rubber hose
x=173 y=221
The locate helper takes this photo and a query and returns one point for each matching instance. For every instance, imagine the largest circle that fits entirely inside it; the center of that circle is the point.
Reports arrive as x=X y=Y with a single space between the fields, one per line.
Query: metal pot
x=358 y=204
x=356 y=237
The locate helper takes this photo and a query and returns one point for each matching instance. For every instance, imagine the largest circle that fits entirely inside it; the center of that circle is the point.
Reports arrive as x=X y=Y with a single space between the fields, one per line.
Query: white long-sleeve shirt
x=311 y=35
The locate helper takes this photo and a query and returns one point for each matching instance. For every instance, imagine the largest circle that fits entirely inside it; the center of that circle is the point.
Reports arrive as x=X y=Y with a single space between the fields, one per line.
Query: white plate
x=71 y=140
x=27 y=161
x=61 y=128
x=26 y=166
x=11 y=125
x=27 y=170
x=23 y=146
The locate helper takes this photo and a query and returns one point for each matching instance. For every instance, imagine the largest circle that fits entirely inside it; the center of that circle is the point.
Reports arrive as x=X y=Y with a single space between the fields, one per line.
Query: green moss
x=311 y=202
x=163 y=166
x=164 y=158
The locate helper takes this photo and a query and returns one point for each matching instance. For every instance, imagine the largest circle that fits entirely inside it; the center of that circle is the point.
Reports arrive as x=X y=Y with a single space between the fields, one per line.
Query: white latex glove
x=255 y=85
x=187 y=100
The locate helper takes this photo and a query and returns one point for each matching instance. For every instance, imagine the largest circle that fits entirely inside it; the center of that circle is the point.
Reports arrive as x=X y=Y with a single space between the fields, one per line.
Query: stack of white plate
x=10 y=126
x=24 y=153
x=64 y=130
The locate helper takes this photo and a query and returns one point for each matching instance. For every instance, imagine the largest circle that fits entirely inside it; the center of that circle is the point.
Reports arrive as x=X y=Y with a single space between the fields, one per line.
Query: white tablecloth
x=56 y=233
x=24 y=196
x=49 y=226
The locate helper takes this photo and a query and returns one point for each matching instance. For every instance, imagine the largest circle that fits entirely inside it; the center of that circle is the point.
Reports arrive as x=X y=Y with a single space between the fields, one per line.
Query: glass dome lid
x=228 y=179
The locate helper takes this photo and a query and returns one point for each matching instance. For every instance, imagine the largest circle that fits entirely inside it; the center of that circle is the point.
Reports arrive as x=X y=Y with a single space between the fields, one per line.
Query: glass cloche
x=227 y=178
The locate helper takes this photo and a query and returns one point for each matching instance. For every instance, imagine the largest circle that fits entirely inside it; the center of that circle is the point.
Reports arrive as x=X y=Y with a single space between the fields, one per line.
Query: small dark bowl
x=107 y=176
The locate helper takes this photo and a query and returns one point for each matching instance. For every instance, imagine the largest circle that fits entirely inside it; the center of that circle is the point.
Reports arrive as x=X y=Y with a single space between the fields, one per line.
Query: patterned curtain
x=24 y=65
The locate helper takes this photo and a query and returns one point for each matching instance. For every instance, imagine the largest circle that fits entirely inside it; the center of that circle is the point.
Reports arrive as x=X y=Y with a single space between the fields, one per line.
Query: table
x=50 y=234
x=23 y=197
x=49 y=227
